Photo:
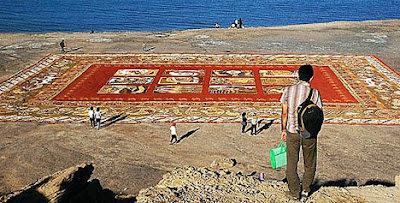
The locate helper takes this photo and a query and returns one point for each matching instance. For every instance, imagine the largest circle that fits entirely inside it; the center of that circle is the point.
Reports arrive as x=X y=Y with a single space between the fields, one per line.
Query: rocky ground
x=128 y=158
x=219 y=182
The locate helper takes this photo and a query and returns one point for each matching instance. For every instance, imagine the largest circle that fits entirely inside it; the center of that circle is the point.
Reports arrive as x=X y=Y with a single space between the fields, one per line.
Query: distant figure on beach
x=291 y=98
x=254 y=122
x=144 y=47
x=236 y=23
x=174 y=137
x=244 y=122
x=92 y=32
x=97 y=116
x=91 y=117
x=62 y=45
x=233 y=25
x=216 y=25
x=240 y=23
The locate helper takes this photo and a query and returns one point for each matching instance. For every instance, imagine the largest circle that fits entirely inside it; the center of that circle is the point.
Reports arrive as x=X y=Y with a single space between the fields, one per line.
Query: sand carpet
x=136 y=88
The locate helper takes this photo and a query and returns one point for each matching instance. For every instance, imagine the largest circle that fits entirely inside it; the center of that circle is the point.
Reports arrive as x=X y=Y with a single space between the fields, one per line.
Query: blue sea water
x=163 y=15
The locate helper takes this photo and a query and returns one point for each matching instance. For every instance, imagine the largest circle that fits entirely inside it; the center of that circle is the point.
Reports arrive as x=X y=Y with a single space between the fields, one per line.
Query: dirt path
x=130 y=157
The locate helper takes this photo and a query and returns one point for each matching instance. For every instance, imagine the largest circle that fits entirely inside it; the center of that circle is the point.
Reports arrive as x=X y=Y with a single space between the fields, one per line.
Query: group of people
x=253 y=121
x=237 y=23
x=94 y=117
x=291 y=98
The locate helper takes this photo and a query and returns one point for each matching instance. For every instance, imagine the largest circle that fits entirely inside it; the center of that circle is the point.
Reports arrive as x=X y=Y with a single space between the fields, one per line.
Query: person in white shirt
x=97 y=115
x=174 y=137
x=91 y=117
x=254 y=121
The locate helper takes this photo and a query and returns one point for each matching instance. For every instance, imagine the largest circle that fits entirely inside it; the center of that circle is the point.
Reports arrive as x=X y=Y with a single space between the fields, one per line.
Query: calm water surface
x=162 y=15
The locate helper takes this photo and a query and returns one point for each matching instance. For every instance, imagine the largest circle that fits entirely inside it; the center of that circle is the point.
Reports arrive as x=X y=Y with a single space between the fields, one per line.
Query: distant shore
x=380 y=38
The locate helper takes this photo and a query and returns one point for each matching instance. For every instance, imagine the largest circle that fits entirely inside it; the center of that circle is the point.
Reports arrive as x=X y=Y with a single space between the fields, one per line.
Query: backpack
x=310 y=118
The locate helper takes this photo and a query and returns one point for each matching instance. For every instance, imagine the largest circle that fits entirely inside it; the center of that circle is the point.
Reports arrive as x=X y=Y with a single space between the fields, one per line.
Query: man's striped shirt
x=293 y=96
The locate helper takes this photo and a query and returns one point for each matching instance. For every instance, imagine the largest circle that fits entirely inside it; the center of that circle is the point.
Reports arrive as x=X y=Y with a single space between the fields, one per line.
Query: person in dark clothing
x=62 y=45
x=244 y=122
x=240 y=22
x=97 y=116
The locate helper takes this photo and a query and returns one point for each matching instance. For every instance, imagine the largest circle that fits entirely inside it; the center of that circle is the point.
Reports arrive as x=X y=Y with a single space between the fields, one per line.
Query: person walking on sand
x=62 y=45
x=144 y=47
x=244 y=122
x=91 y=117
x=174 y=137
x=97 y=116
x=291 y=98
x=254 y=121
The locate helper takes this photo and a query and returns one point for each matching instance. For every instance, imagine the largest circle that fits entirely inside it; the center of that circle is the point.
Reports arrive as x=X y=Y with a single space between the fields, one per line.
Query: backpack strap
x=310 y=94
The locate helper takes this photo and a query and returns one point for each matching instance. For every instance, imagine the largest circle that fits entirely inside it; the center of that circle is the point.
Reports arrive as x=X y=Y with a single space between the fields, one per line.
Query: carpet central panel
x=197 y=87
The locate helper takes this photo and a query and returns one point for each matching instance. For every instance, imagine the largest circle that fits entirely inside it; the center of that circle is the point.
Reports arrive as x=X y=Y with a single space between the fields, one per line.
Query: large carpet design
x=197 y=87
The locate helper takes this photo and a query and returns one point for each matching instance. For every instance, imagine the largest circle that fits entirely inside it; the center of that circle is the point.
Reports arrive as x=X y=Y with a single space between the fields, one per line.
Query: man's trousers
x=309 y=146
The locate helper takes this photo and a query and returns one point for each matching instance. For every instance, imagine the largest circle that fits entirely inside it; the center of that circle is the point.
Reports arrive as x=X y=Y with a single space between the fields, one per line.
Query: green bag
x=278 y=156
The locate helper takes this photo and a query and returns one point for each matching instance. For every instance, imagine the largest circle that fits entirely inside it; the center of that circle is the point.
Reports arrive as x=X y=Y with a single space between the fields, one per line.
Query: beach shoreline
x=380 y=38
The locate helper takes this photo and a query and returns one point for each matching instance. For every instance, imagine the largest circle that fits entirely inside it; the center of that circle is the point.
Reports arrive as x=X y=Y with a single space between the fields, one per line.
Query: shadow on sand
x=188 y=134
x=264 y=127
x=346 y=183
x=74 y=49
x=112 y=120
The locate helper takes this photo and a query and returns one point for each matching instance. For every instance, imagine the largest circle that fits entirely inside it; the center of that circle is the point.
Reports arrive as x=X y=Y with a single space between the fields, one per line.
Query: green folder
x=278 y=156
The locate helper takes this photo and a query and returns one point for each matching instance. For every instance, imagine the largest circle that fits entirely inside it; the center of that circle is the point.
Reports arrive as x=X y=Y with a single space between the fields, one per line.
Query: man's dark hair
x=306 y=72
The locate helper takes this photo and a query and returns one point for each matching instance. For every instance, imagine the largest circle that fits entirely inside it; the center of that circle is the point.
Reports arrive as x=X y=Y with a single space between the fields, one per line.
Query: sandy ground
x=130 y=157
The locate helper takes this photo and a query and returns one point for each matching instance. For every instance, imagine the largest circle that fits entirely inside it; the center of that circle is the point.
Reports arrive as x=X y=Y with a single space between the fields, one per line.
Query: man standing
x=244 y=122
x=62 y=45
x=97 y=116
x=91 y=117
x=291 y=98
